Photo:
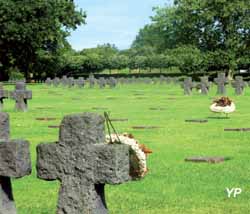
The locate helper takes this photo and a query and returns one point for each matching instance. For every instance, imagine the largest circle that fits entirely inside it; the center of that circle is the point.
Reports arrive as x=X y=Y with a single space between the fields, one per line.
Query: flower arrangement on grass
x=138 y=153
x=223 y=105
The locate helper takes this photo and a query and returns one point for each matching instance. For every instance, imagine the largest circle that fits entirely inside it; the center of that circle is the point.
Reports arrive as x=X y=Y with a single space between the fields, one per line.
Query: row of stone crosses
x=103 y=82
x=20 y=95
x=221 y=81
x=80 y=160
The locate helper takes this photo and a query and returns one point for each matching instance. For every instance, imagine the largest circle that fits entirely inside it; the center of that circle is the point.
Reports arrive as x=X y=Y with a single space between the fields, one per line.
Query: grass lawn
x=172 y=185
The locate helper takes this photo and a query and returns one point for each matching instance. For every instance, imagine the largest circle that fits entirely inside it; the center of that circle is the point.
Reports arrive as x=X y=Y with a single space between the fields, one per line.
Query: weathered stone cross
x=21 y=95
x=83 y=163
x=14 y=162
x=221 y=80
x=239 y=85
x=188 y=86
x=205 y=85
x=3 y=95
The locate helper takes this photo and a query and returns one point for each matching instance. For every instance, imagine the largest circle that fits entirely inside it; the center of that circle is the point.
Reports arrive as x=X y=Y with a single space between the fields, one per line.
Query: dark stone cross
x=21 y=95
x=239 y=85
x=14 y=163
x=102 y=82
x=48 y=81
x=188 y=86
x=205 y=85
x=56 y=82
x=83 y=163
x=3 y=95
x=221 y=80
x=80 y=82
x=112 y=82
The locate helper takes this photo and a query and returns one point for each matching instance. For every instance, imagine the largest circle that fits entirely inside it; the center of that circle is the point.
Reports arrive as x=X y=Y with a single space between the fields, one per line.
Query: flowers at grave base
x=223 y=105
x=138 y=153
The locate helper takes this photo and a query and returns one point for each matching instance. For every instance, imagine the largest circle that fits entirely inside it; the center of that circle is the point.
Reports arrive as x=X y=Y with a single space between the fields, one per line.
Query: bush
x=15 y=74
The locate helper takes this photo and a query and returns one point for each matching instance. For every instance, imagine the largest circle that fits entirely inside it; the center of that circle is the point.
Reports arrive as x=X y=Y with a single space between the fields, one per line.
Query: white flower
x=141 y=165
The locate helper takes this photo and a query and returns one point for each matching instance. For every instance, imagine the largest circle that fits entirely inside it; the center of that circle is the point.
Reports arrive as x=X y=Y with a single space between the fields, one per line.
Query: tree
x=29 y=26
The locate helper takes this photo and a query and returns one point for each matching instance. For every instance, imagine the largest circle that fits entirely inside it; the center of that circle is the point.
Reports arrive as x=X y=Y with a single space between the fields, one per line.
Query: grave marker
x=3 y=95
x=21 y=96
x=83 y=163
x=188 y=86
x=14 y=163
x=205 y=85
x=221 y=80
x=239 y=85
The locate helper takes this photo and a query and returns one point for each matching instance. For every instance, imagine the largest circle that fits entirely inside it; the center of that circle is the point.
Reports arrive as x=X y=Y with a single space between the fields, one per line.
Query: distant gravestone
x=48 y=81
x=188 y=86
x=168 y=80
x=3 y=95
x=175 y=80
x=162 y=80
x=92 y=81
x=239 y=85
x=102 y=82
x=70 y=82
x=14 y=163
x=64 y=80
x=112 y=82
x=80 y=82
x=56 y=82
x=83 y=163
x=221 y=81
x=21 y=96
x=205 y=85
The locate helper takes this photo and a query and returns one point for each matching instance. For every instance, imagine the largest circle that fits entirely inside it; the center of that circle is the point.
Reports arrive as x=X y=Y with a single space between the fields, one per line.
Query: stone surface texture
x=83 y=164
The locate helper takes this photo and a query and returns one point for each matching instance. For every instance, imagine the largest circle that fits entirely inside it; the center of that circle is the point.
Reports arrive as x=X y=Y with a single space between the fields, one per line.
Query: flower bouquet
x=138 y=153
x=223 y=105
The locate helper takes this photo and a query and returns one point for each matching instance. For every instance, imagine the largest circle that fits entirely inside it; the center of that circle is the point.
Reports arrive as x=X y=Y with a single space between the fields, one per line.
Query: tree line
x=190 y=36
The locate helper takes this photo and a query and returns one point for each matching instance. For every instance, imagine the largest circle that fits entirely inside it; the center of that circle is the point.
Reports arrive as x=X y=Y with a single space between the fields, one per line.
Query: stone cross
x=239 y=85
x=3 y=95
x=64 y=80
x=205 y=85
x=80 y=82
x=188 y=86
x=56 y=82
x=14 y=163
x=83 y=163
x=102 y=82
x=21 y=95
x=48 y=81
x=221 y=80
x=112 y=82
x=71 y=82
x=91 y=81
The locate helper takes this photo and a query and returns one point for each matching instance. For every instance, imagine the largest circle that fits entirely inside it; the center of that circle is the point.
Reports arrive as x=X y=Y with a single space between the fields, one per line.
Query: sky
x=112 y=21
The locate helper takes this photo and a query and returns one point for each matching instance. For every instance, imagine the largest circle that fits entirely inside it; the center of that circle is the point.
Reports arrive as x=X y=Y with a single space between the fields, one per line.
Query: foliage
x=28 y=26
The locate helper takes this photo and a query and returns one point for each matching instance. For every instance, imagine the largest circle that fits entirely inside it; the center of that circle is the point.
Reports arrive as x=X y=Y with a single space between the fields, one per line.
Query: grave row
x=103 y=82
x=20 y=95
x=221 y=81
x=80 y=160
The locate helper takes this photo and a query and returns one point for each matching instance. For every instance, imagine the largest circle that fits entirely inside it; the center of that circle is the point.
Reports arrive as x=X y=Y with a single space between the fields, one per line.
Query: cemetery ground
x=172 y=185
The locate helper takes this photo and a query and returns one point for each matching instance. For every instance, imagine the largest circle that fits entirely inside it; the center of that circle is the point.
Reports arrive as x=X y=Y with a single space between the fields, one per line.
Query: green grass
x=171 y=186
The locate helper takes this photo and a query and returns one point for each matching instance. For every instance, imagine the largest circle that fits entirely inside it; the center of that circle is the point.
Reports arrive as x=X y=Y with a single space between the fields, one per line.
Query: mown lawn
x=172 y=185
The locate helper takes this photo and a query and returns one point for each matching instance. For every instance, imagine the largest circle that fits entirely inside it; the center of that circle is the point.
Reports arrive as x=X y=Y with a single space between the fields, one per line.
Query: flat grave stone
x=206 y=159
x=196 y=121
x=119 y=120
x=53 y=126
x=15 y=162
x=100 y=108
x=146 y=127
x=21 y=96
x=157 y=109
x=83 y=163
x=45 y=118
x=237 y=129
